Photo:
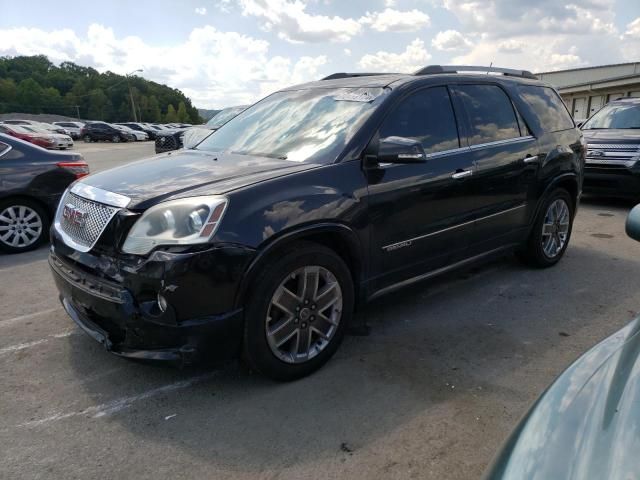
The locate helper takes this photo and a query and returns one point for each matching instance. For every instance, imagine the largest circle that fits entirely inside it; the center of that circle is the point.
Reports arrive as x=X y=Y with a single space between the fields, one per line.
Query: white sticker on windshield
x=365 y=95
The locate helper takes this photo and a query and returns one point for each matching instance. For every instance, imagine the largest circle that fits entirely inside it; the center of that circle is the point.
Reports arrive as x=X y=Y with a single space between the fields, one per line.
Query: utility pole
x=133 y=105
x=77 y=111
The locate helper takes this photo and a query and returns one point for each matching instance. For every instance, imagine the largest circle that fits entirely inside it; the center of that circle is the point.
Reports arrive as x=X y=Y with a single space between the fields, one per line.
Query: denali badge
x=74 y=215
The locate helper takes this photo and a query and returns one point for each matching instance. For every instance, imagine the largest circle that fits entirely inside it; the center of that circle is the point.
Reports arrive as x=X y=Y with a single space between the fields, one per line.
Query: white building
x=586 y=90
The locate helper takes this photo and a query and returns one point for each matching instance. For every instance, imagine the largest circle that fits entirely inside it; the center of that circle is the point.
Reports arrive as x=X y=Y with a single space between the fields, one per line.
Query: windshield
x=615 y=115
x=224 y=116
x=311 y=125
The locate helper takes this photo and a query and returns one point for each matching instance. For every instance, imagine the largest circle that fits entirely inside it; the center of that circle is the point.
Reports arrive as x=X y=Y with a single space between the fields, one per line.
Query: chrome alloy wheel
x=20 y=226
x=555 y=228
x=304 y=314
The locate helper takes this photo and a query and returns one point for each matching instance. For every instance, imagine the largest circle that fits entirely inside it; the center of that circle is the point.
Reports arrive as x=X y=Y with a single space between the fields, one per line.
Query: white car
x=74 y=128
x=140 y=136
x=57 y=140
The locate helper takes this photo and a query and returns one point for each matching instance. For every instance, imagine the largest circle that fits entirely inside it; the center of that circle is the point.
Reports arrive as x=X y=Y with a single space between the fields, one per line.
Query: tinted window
x=548 y=107
x=426 y=116
x=3 y=148
x=490 y=113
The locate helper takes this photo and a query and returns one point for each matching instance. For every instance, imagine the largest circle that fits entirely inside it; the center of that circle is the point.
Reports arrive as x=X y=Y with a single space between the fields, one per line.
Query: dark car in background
x=585 y=425
x=179 y=137
x=96 y=131
x=151 y=132
x=32 y=181
x=263 y=239
x=613 y=157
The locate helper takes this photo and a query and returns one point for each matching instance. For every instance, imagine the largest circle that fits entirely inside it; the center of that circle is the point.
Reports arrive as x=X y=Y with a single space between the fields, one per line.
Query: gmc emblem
x=74 y=215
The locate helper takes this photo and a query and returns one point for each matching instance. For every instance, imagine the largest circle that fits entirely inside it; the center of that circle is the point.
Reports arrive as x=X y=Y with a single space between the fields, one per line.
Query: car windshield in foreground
x=224 y=116
x=312 y=125
x=615 y=115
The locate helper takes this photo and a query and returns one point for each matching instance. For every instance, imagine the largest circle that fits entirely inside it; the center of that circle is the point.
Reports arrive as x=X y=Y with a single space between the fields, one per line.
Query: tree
x=183 y=116
x=155 y=116
x=8 y=92
x=171 y=116
x=35 y=84
x=29 y=95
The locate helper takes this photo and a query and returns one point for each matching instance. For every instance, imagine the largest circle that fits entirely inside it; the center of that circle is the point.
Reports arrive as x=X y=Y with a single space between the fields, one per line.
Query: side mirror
x=633 y=223
x=401 y=150
x=579 y=124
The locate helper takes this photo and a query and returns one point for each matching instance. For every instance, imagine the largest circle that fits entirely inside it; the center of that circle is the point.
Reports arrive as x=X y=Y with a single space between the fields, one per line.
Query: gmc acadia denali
x=264 y=238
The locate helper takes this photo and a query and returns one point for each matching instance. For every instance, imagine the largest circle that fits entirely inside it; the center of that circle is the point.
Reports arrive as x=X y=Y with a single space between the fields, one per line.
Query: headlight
x=188 y=221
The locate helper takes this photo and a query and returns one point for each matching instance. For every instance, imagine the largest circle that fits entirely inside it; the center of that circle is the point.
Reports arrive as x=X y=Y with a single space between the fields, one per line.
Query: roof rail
x=335 y=76
x=431 y=69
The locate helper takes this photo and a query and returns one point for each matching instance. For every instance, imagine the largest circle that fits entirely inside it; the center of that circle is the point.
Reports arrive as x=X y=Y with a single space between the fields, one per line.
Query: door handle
x=462 y=174
x=531 y=159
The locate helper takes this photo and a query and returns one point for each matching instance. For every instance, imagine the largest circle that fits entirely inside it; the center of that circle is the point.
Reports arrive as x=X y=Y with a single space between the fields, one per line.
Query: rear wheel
x=300 y=305
x=23 y=225
x=87 y=138
x=551 y=232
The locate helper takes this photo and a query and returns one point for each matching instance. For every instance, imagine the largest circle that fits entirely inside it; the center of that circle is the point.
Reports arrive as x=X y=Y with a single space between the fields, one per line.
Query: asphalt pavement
x=449 y=367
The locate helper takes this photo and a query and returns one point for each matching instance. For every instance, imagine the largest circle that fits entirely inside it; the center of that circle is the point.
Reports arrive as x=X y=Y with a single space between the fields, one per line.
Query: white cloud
x=201 y=10
x=199 y=66
x=450 y=40
x=390 y=3
x=293 y=23
x=633 y=29
x=347 y=52
x=390 y=20
x=415 y=56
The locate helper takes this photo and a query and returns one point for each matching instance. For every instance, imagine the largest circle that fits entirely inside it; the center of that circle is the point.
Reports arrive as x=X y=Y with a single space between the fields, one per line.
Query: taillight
x=79 y=169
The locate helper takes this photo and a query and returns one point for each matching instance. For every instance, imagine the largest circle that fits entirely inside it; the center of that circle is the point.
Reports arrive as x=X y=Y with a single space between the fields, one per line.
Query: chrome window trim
x=403 y=243
x=99 y=195
x=6 y=150
x=497 y=143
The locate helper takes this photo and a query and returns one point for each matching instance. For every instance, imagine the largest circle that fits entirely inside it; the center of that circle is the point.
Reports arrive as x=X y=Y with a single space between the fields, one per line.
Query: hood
x=186 y=173
x=585 y=426
x=612 y=135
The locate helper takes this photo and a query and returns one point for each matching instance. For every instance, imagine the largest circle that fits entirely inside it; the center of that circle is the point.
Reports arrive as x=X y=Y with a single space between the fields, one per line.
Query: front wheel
x=299 y=307
x=24 y=225
x=87 y=139
x=115 y=139
x=551 y=232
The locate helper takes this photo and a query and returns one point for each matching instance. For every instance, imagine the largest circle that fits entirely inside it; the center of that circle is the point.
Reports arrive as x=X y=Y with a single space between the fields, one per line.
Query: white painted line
x=98 y=411
x=22 y=346
x=29 y=316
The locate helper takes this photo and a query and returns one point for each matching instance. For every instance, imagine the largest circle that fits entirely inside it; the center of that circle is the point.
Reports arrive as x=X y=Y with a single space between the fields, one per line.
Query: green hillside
x=36 y=85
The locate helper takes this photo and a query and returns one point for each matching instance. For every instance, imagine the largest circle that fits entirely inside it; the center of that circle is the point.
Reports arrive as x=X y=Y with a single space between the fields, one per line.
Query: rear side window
x=490 y=112
x=548 y=107
x=427 y=116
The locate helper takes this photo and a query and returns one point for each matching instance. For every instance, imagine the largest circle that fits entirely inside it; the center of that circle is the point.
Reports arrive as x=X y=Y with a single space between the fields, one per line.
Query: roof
x=595 y=67
x=397 y=79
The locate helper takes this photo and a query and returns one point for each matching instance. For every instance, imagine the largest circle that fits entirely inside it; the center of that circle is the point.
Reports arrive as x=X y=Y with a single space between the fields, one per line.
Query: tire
x=24 y=225
x=87 y=139
x=288 y=362
x=115 y=139
x=539 y=252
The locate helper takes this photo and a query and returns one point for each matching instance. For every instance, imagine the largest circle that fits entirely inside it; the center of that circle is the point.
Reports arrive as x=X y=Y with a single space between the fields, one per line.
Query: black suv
x=613 y=156
x=95 y=131
x=266 y=237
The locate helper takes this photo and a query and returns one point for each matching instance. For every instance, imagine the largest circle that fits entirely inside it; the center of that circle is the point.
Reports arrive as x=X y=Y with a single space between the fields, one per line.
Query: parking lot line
x=114 y=406
x=20 y=318
x=22 y=346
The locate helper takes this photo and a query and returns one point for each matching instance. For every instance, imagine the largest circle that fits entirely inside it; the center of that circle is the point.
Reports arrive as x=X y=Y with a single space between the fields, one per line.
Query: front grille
x=94 y=218
x=613 y=154
x=166 y=143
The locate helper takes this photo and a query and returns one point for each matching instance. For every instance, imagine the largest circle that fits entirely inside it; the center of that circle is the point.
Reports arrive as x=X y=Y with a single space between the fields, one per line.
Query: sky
x=228 y=52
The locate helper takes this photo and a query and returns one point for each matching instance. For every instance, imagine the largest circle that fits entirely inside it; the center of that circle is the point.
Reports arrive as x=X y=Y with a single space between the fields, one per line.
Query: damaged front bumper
x=175 y=307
